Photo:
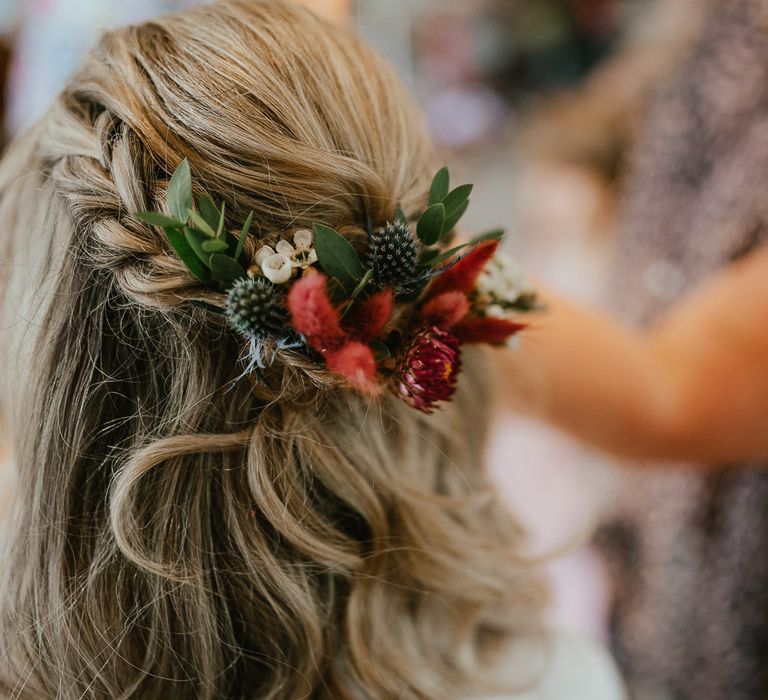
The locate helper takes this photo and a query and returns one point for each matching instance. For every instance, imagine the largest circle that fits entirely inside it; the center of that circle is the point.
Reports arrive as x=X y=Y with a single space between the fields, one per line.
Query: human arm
x=693 y=388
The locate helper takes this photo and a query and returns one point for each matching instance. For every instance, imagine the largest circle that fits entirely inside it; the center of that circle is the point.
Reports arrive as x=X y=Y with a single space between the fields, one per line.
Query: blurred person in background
x=688 y=389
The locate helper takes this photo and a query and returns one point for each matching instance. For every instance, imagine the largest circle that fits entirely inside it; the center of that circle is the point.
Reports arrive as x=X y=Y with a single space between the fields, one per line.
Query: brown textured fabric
x=690 y=552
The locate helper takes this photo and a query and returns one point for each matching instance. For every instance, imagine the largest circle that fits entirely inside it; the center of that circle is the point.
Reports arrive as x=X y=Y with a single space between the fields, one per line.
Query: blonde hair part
x=179 y=533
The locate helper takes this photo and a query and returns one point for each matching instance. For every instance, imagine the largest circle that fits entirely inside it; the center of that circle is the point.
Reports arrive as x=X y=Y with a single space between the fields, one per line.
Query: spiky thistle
x=256 y=308
x=393 y=255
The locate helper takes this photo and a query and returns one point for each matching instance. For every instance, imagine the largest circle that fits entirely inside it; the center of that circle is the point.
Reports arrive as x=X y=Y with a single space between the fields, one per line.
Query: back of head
x=178 y=530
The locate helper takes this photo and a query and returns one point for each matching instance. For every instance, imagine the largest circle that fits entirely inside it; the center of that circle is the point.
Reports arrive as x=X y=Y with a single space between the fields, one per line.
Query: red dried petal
x=487 y=330
x=356 y=363
x=367 y=318
x=313 y=315
x=446 y=310
x=462 y=277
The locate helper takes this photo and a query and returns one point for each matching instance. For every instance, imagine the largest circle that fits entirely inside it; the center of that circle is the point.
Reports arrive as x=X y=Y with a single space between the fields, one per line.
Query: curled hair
x=179 y=532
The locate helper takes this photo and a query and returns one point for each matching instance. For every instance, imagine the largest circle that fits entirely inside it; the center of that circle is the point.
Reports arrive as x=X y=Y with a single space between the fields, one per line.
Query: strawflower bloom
x=429 y=369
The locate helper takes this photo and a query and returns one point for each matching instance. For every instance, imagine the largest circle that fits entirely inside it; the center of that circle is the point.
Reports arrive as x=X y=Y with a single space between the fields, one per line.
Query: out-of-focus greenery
x=535 y=46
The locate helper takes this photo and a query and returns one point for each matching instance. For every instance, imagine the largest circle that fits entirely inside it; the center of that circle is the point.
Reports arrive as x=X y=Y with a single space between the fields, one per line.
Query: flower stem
x=357 y=292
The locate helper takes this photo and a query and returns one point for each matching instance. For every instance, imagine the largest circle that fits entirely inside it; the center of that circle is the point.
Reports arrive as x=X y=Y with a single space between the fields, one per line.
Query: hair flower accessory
x=256 y=308
x=394 y=255
x=302 y=253
x=278 y=264
x=392 y=318
x=277 y=268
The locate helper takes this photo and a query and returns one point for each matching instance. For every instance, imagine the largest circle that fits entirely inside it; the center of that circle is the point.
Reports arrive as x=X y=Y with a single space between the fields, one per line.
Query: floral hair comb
x=394 y=315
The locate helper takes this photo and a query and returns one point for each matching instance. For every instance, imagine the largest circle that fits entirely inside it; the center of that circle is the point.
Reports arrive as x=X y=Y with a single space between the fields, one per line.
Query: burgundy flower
x=429 y=369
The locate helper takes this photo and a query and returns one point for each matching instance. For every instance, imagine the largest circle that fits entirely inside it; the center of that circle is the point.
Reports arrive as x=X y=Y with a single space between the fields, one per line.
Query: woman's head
x=179 y=532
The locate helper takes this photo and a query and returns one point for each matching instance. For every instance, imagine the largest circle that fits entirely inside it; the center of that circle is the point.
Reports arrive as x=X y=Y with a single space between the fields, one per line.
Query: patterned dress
x=690 y=552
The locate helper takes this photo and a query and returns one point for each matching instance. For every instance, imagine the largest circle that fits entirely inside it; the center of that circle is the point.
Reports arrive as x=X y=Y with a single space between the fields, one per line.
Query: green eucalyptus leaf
x=495 y=235
x=526 y=302
x=430 y=226
x=400 y=217
x=188 y=256
x=155 y=219
x=456 y=198
x=428 y=255
x=452 y=219
x=202 y=224
x=243 y=235
x=215 y=245
x=209 y=211
x=336 y=256
x=440 y=185
x=196 y=239
x=225 y=269
x=180 y=192
x=220 y=227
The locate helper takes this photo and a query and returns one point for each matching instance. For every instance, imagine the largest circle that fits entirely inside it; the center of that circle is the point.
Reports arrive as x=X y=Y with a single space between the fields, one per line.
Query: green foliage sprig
x=197 y=232
x=337 y=257
x=396 y=265
x=446 y=208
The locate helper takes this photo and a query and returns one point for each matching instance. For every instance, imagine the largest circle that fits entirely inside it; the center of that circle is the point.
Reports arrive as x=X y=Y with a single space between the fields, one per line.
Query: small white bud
x=302 y=238
x=262 y=254
x=496 y=311
x=285 y=248
x=277 y=268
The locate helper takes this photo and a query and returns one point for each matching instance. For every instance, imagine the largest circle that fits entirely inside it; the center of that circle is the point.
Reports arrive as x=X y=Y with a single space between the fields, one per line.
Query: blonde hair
x=178 y=533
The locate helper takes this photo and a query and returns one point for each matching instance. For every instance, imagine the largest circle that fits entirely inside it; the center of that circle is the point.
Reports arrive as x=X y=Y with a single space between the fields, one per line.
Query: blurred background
x=536 y=102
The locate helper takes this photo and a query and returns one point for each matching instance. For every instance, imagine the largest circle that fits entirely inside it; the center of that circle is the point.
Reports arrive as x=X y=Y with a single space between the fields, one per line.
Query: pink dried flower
x=313 y=314
x=355 y=362
x=367 y=318
x=429 y=369
x=446 y=310
x=462 y=277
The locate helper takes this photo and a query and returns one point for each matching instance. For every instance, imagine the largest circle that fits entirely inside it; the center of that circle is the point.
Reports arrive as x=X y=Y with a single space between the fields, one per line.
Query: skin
x=693 y=388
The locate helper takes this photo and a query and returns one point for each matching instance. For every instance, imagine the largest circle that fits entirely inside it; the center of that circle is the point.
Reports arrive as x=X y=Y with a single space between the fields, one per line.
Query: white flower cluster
x=501 y=284
x=278 y=264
